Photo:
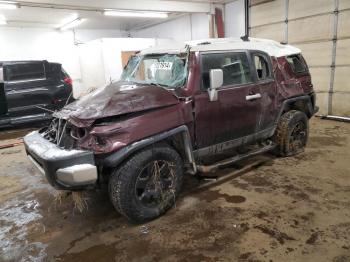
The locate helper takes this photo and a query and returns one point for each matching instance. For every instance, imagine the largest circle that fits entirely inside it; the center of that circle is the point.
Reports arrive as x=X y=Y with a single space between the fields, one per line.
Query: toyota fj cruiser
x=174 y=110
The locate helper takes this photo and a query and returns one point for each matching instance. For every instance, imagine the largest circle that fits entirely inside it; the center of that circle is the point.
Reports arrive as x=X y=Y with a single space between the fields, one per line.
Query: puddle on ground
x=15 y=217
x=20 y=215
x=211 y=195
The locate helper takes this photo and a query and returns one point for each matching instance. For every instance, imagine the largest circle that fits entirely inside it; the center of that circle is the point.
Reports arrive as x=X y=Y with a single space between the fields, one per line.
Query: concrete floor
x=265 y=209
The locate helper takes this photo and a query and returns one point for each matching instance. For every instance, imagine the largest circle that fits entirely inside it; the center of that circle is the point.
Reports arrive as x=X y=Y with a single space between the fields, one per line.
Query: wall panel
x=317 y=54
x=310 y=29
x=344 y=24
x=343 y=52
x=320 y=78
x=341 y=104
x=341 y=79
x=273 y=31
x=267 y=13
x=322 y=103
x=302 y=8
x=344 y=4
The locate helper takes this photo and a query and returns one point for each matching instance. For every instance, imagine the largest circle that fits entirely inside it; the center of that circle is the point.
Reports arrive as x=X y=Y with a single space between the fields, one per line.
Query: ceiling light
x=8 y=5
x=135 y=14
x=72 y=24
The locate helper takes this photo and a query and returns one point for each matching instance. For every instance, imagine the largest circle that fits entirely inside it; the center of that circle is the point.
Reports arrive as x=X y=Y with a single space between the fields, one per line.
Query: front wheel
x=292 y=133
x=147 y=184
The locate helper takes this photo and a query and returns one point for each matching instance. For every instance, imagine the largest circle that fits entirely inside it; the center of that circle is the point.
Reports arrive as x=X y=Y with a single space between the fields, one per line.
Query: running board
x=214 y=167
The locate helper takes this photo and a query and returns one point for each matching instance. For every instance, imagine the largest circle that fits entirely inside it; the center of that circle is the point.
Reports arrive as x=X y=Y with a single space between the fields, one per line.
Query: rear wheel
x=147 y=184
x=292 y=133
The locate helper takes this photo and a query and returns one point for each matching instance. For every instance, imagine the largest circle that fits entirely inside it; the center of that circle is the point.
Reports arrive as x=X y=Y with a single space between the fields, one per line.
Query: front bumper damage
x=64 y=169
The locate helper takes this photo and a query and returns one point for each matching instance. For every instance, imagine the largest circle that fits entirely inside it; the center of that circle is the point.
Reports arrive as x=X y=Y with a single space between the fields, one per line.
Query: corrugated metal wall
x=321 y=29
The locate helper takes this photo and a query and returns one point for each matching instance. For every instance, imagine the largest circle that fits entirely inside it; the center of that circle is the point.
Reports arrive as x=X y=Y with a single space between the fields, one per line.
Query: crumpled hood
x=116 y=99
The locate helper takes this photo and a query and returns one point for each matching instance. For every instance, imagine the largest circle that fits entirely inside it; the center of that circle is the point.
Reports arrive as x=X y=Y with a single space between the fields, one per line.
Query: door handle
x=253 y=97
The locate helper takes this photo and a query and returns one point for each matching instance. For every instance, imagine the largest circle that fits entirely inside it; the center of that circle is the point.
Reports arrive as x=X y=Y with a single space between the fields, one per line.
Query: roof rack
x=204 y=43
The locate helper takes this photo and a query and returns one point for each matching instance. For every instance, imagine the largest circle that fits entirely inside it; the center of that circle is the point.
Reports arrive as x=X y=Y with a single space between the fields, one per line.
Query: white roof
x=271 y=47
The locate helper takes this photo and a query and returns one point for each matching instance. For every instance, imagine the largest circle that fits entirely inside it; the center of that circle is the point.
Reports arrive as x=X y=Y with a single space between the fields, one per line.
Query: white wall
x=86 y=35
x=40 y=44
x=235 y=19
x=91 y=64
x=184 y=28
x=200 y=26
x=55 y=46
x=101 y=59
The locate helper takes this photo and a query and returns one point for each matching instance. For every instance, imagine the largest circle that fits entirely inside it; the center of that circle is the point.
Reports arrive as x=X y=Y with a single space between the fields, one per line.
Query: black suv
x=31 y=90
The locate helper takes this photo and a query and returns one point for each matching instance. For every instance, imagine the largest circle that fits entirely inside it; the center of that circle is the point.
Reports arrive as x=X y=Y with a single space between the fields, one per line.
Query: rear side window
x=25 y=71
x=262 y=67
x=53 y=70
x=235 y=67
x=297 y=63
x=64 y=73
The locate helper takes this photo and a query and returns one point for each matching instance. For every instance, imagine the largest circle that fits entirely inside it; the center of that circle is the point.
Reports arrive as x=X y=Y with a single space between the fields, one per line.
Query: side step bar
x=214 y=167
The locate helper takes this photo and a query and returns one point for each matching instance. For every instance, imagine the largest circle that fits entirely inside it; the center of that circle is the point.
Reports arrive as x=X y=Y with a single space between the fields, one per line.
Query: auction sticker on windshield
x=163 y=65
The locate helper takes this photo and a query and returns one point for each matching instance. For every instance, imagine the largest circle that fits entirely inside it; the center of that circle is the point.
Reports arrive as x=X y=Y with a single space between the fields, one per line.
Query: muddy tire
x=292 y=133
x=147 y=184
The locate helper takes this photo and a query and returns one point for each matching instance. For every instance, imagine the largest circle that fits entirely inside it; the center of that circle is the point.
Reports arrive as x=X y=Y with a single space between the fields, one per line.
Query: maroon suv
x=174 y=111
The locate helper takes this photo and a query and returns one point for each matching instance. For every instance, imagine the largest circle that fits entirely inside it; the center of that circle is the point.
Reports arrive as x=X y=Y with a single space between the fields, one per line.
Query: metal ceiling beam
x=150 y=5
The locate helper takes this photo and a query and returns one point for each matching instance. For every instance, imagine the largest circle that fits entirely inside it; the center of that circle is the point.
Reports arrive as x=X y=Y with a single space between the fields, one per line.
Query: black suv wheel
x=292 y=133
x=147 y=184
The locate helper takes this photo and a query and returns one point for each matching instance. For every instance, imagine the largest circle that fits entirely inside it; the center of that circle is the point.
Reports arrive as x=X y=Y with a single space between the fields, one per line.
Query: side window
x=297 y=63
x=25 y=71
x=235 y=67
x=54 y=70
x=262 y=67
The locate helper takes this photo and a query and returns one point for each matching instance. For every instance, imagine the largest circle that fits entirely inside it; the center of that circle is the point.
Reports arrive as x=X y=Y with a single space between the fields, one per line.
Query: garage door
x=321 y=29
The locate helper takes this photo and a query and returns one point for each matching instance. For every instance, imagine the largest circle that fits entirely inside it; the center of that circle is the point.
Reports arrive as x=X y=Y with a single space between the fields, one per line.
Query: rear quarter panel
x=289 y=83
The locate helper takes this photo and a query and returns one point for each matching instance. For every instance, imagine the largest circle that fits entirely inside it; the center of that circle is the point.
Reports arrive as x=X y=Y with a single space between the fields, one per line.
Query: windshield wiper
x=157 y=84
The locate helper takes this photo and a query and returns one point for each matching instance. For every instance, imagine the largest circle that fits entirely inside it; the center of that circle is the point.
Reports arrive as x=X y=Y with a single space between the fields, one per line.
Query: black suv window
x=25 y=71
x=297 y=63
x=235 y=67
x=262 y=67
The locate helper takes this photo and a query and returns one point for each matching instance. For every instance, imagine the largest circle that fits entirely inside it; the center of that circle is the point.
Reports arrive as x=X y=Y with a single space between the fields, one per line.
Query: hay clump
x=78 y=198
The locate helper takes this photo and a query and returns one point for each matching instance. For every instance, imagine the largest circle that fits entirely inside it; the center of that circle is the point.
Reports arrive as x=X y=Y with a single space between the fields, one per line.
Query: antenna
x=245 y=38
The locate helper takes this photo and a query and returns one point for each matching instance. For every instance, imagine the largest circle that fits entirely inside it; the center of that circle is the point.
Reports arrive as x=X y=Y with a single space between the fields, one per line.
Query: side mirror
x=216 y=78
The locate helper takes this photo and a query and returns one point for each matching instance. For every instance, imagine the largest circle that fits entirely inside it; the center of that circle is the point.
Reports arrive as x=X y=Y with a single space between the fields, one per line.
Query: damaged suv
x=177 y=109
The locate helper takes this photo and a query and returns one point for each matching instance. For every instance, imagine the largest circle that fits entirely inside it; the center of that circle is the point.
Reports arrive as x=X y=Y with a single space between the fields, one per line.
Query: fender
x=310 y=110
x=119 y=156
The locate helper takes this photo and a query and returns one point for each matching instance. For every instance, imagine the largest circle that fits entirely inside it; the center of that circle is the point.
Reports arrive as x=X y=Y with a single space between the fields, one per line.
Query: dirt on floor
x=263 y=209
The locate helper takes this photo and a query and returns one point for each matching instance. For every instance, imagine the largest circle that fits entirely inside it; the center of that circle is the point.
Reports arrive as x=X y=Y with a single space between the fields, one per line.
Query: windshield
x=165 y=70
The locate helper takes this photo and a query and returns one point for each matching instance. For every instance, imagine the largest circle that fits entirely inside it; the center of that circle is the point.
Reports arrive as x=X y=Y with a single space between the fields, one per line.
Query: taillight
x=68 y=80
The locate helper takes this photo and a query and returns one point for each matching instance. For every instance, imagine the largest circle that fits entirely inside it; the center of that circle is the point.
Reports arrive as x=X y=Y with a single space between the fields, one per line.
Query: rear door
x=267 y=90
x=234 y=115
x=26 y=87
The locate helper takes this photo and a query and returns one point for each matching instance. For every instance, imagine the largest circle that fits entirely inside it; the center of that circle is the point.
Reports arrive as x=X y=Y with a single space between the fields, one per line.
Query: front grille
x=58 y=132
